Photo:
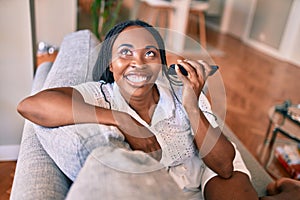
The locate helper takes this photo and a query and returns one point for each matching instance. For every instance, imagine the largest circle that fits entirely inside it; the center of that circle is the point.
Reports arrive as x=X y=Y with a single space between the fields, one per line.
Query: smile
x=136 y=78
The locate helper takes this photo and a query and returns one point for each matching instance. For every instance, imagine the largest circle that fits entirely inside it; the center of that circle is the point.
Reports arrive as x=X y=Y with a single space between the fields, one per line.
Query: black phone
x=171 y=70
x=213 y=69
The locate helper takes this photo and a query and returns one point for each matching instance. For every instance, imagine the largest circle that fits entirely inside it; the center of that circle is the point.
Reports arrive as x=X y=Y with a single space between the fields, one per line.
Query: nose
x=138 y=60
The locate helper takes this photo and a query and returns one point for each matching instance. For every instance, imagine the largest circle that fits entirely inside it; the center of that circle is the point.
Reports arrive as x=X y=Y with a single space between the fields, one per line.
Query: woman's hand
x=283 y=188
x=137 y=136
x=193 y=82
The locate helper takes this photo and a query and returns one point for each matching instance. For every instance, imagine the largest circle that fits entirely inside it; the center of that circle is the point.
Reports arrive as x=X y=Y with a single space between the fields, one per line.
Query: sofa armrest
x=37 y=176
x=40 y=76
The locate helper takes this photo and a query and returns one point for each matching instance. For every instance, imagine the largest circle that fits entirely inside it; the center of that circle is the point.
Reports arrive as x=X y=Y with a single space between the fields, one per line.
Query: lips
x=137 y=79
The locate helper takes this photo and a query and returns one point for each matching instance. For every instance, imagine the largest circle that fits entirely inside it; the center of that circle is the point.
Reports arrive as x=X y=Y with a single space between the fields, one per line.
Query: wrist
x=120 y=119
x=190 y=103
x=191 y=109
x=107 y=116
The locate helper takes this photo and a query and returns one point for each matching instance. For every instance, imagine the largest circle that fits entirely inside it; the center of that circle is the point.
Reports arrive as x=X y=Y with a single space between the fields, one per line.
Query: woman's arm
x=66 y=106
x=217 y=152
x=62 y=106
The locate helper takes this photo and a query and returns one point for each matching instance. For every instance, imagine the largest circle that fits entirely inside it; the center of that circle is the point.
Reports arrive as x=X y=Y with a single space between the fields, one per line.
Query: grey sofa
x=38 y=177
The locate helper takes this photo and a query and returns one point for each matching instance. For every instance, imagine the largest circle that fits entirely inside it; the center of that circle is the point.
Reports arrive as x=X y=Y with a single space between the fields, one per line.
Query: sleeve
x=205 y=107
x=91 y=93
x=238 y=165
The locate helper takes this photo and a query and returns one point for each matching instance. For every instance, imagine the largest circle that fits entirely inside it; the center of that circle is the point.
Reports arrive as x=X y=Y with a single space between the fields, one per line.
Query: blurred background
x=256 y=43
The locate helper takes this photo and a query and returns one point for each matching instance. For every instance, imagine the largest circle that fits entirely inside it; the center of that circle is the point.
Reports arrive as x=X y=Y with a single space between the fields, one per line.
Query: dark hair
x=101 y=69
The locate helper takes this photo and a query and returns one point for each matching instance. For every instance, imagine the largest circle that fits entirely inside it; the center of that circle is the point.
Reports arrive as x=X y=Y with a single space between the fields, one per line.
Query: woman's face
x=136 y=61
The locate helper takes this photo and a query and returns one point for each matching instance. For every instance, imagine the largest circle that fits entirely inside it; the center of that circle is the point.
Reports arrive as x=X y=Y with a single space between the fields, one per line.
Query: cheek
x=117 y=68
x=157 y=68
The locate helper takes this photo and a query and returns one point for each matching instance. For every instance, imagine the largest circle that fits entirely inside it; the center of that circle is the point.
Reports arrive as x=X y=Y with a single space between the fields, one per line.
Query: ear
x=110 y=68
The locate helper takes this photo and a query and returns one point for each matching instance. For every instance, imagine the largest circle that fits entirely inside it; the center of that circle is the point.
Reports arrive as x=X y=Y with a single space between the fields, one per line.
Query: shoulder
x=93 y=87
x=92 y=91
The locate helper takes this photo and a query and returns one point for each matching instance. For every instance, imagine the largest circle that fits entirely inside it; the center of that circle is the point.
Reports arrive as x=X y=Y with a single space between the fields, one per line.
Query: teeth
x=136 y=79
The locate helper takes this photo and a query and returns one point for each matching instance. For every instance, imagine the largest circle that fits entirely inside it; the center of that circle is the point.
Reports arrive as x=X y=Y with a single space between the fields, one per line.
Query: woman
x=130 y=92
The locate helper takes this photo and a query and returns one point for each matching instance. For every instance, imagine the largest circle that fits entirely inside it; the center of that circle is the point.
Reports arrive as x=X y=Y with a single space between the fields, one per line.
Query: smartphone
x=171 y=70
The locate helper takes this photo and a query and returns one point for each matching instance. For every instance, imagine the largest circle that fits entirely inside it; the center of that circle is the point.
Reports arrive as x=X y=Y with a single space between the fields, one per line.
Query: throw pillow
x=69 y=146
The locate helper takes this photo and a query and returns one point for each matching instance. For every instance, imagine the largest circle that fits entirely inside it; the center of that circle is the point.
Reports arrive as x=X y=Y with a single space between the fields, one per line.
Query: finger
x=183 y=78
x=156 y=155
x=189 y=68
x=198 y=68
x=272 y=188
x=199 y=79
x=287 y=184
x=280 y=185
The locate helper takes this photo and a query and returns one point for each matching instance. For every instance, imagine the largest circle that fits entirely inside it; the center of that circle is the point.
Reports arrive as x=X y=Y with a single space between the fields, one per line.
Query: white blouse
x=169 y=124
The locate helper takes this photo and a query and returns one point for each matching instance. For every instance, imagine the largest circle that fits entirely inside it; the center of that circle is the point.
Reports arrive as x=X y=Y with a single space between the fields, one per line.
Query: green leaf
x=109 y=15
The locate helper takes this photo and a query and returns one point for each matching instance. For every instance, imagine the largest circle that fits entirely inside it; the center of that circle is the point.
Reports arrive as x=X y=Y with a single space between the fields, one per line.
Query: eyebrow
x=131 y=46
x=151 y=47
x=126 y=45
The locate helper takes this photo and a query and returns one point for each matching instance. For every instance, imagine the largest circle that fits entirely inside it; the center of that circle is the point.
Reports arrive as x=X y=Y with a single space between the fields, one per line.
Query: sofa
x=38 y=176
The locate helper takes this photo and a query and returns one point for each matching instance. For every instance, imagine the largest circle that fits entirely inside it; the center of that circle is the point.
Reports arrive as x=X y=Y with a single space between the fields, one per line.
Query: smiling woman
x=132 y=94
x=135 y=66
x=136 y=63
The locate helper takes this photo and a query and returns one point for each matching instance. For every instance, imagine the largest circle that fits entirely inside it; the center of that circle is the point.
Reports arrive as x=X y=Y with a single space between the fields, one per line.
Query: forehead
x=137 y=36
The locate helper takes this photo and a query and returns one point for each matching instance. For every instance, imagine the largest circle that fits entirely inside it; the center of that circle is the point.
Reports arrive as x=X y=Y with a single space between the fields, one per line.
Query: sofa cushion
x=75 y=60
x=69 y=146
x=99 y=177
x=40 y=76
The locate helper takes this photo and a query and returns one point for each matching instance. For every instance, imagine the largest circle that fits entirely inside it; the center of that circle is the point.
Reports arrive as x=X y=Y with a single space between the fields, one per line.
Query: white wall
x=257 y=26
x=235 y=17
x=290 y=45
x=280 y=38
x=55 y=19
x=274 y=21
x=16 y=69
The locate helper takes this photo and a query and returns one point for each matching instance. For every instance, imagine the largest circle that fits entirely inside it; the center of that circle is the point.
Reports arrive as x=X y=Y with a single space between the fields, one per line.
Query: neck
x=146 y=104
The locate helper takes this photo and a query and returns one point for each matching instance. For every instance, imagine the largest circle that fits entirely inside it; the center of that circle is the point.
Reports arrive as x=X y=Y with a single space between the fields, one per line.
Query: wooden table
x=281 y=131
x=45 y=57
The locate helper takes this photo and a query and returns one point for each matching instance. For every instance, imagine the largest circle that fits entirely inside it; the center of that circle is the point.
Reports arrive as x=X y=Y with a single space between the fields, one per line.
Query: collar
x=164 y=109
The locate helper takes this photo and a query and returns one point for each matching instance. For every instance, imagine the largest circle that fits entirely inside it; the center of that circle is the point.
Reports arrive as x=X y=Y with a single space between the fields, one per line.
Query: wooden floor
x=253 y=81
x=7 y=170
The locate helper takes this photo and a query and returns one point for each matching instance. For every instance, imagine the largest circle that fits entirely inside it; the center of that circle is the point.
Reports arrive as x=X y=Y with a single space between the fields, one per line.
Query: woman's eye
x=126 y=52
x=150 y=54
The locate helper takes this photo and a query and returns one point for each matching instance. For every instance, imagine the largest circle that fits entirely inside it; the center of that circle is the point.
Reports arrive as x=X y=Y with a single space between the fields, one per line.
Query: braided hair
x=101 y=69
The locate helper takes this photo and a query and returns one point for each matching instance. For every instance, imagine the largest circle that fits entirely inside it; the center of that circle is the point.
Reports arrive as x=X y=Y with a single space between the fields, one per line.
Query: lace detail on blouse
x=175 y=137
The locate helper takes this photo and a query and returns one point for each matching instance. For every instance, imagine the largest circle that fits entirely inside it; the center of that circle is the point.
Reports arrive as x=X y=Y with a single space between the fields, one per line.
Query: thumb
x=273 y=188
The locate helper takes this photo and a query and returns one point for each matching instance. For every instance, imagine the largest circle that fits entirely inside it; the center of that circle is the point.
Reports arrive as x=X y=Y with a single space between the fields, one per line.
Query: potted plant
x=104 y=16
